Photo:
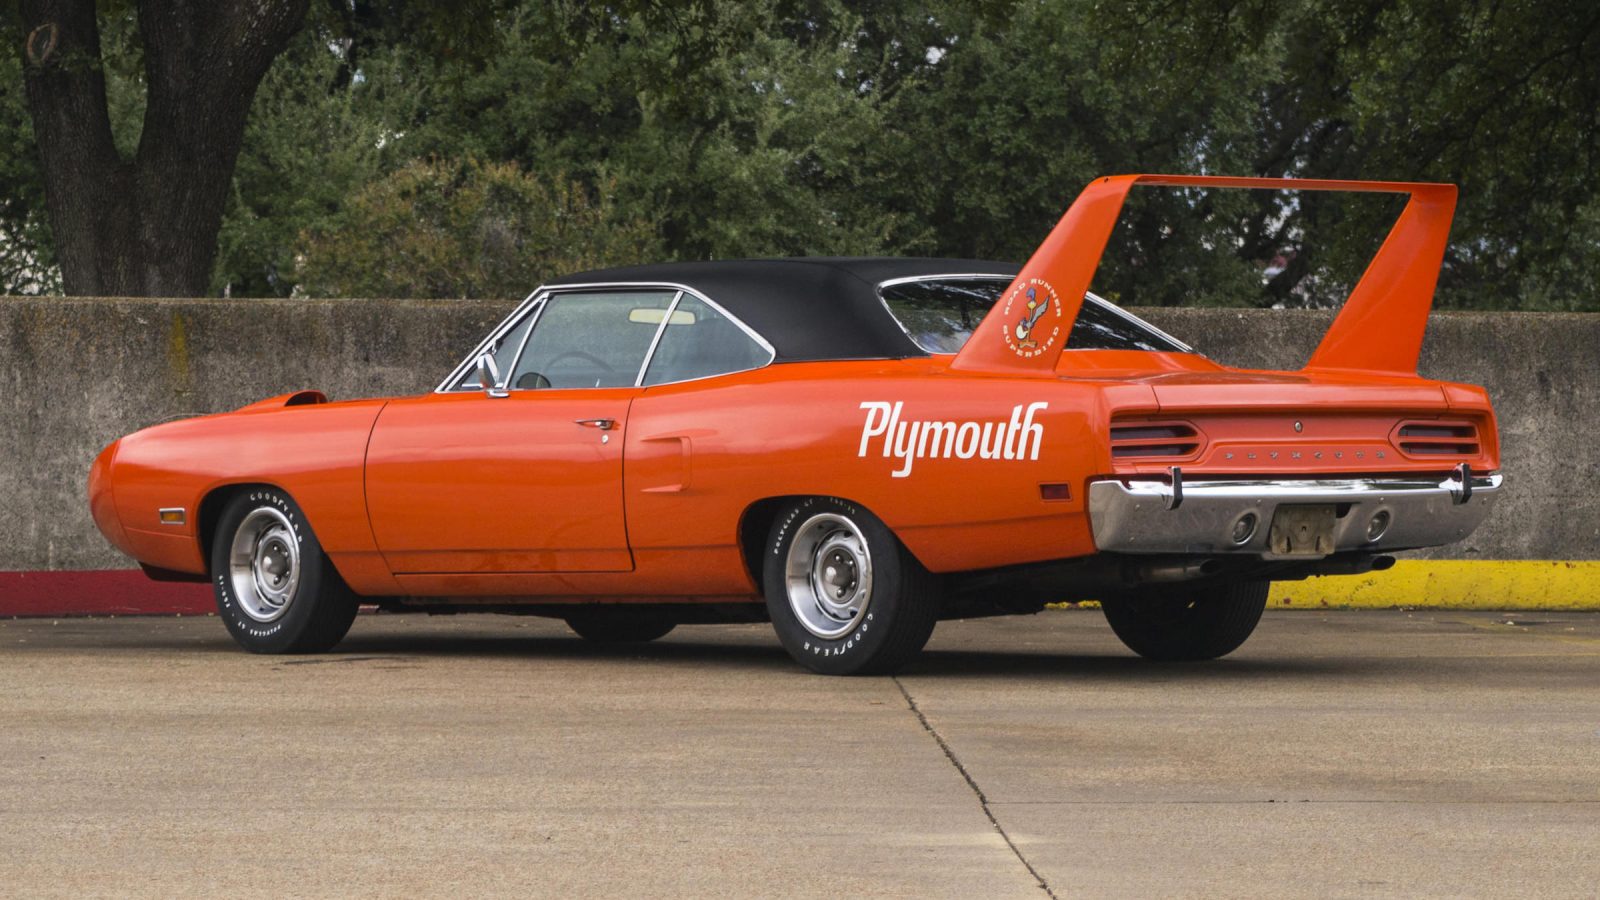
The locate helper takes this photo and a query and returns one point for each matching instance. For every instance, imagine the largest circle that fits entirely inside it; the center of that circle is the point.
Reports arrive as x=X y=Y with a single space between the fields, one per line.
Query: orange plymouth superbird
x=852 y=449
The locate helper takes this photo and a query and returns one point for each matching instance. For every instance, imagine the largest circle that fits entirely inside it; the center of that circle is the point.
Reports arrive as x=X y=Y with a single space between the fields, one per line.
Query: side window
x=504 y=349
x=699 y=342
x=1101 y=327
x=941 y=314
x=590 y=339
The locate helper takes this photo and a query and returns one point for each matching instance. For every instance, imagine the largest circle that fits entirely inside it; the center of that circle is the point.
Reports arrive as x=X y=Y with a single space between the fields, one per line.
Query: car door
x=525 y=478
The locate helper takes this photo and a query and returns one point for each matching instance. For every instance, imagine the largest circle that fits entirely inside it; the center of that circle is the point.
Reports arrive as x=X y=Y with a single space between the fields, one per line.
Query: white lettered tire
x=845 y=597
x=276 y=590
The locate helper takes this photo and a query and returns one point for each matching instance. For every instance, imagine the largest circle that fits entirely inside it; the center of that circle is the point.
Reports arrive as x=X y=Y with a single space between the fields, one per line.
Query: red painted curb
x=116 y=592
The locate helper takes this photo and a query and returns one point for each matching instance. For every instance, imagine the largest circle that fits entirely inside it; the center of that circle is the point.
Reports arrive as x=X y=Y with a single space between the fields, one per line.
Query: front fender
x=102 y=503
x=315 y=451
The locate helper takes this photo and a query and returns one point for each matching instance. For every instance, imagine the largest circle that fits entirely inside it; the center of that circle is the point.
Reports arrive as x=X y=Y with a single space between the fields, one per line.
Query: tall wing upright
x=1379 y=329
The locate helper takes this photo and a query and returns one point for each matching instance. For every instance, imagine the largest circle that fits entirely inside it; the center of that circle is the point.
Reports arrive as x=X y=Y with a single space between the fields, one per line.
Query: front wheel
x=276 y=590
x=844 y=595
x=1179 y=623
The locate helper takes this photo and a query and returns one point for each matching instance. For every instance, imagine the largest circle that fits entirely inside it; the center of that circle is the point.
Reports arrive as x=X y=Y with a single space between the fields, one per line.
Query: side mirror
x=489 y=377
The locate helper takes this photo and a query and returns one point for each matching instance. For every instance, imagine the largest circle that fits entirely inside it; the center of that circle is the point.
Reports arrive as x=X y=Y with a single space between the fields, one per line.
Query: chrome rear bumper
x=1143 y=515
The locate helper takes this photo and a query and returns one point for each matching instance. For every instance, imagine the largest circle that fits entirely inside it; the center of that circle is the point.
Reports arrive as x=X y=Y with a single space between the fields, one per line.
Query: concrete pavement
x=1359 y=753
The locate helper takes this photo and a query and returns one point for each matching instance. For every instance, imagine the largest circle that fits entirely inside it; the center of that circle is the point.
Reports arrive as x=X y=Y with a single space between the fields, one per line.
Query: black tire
x=618 y=626
x=317 y=607
x=899 y=601
x=1188 y=623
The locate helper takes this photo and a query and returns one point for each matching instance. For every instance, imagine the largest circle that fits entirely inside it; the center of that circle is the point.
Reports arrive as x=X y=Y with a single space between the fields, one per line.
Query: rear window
x=940 y=314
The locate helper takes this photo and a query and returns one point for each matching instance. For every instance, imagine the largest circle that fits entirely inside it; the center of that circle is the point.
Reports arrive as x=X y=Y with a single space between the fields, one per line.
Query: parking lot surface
x=1359 y=753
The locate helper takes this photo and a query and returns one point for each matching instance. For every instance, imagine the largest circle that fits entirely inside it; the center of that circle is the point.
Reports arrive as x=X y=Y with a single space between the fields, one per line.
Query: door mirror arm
x=489 y=377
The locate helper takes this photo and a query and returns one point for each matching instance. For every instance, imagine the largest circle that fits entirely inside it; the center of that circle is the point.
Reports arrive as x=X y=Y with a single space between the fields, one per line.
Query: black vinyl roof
x=808 y=308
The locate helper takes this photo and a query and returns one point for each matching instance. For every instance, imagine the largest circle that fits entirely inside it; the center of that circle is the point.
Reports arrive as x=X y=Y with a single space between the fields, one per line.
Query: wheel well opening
x=756 y=523
x=211 y=507
x=753 y=528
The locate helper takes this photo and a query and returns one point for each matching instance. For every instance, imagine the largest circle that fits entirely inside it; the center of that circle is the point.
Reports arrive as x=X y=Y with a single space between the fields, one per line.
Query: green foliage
x=27 y=260
x=926 y=127
x=466 y=229
x=311 y=144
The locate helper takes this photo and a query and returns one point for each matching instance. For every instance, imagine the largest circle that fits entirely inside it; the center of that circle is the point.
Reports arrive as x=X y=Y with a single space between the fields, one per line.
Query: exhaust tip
x=1244 y=528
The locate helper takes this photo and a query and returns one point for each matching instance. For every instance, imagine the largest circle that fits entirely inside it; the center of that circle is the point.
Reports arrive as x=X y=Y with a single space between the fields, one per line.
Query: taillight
x=1154 y=440
x=1437 y=438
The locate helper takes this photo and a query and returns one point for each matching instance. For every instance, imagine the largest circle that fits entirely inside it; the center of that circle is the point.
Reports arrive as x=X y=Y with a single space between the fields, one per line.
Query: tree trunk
x=146 y=226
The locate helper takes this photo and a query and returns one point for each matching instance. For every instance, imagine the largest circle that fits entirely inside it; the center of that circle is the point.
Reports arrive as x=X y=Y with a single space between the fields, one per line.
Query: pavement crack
x=983 y=800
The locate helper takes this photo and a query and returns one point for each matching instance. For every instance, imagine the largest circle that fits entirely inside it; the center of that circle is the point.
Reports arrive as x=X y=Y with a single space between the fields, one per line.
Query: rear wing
x=1379 y=329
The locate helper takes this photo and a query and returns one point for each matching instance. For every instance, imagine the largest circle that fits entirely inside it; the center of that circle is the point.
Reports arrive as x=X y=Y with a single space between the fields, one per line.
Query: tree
x=924 y=127
x=1502 y=99
x=144 y=218
x=27 y=262
x=708 y=120
x=316 y=137
x=446 y=228
x=145 y=225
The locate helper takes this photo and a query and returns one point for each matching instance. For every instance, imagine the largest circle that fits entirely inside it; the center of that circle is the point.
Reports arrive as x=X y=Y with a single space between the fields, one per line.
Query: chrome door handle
x=602 y=424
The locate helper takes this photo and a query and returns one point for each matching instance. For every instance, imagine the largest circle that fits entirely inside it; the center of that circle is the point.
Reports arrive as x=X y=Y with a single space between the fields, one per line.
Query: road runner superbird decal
x=1030 y=336
x=1016 y=438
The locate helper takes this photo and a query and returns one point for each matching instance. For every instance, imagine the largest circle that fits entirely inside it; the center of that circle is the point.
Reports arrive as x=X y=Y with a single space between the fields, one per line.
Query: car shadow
x=756 y=649
x=561 y=647
x=749 y=654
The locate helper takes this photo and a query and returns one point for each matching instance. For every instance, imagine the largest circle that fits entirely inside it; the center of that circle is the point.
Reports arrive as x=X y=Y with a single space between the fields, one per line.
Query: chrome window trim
x=1008 y=279
x=550 y=294
x=650 y=352
x=913 y=279
x=538 y=311
x=772 y=353
x=506 y=324
x=1138 y=321
x=544 y=292
x=675 y=286
x=951 y=276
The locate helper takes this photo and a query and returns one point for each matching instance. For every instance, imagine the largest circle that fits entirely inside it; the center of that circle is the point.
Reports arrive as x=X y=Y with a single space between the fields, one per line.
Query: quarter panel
x=700 y=453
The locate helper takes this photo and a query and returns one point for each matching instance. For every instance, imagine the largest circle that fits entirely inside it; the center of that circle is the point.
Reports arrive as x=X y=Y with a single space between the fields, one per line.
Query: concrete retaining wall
x=77 y=373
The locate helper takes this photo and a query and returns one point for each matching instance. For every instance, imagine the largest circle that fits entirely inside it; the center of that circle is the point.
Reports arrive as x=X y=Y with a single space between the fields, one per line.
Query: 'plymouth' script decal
x=908 y=441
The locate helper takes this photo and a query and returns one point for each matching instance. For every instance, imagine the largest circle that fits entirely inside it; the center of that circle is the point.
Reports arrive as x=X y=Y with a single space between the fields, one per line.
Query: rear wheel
x=618 y=627
x=1188 y=623
x=276 y=590
x=845 y=597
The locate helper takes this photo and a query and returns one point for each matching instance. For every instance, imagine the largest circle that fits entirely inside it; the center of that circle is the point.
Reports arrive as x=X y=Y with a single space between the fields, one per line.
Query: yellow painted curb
x=1451 y=584
x=1444 y=584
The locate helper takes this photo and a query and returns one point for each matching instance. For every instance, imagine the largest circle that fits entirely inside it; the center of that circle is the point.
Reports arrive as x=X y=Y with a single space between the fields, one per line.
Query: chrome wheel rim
x=828 y=575
x=264 y=564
